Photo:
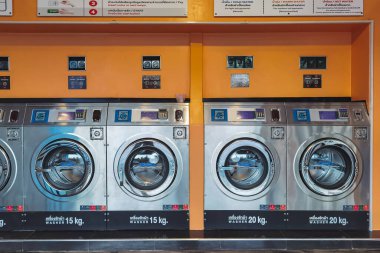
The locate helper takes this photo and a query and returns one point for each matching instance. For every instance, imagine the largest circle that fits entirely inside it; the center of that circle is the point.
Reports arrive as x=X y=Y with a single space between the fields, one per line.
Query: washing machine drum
x=147 y=168
x=5 y=172
x=245 y=167
x=329 y=167
x=64 y=168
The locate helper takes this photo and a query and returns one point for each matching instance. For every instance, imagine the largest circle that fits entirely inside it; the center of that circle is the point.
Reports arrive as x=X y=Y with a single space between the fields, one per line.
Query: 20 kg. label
x=148 y=220
x=326 y=220
x=245 y=219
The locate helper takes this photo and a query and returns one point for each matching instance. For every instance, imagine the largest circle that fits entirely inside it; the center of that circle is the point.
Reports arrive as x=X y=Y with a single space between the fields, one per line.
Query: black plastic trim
x=90 y=100
x=285 y=99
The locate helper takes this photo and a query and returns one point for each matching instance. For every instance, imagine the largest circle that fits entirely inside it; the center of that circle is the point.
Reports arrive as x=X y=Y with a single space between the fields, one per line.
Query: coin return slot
x=13 y=117
x=96 y=116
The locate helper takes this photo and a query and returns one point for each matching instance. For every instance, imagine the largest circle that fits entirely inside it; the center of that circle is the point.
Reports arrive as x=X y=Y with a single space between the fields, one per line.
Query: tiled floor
x=194 y=241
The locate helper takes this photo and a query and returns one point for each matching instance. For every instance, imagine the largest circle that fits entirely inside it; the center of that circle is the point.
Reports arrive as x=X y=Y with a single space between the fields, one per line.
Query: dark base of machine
x=147 y=220
x=286 y=220
x=245 y=219
x=11 y=221
x=64 y=221
x=327 y=220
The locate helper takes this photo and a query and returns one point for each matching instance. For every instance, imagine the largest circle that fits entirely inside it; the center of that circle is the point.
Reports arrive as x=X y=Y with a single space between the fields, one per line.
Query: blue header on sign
x=40 y=116
x=219 y=115
x=301 y=115
x=123 y=115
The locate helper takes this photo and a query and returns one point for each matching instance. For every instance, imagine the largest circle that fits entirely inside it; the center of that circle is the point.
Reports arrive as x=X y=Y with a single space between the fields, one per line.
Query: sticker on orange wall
x=5 y=7
x=240 y=81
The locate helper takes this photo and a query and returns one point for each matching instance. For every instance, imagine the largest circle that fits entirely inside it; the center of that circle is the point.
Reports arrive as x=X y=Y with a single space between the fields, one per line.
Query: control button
x=13 y=134
x=97 y=133
x=80 y=114
x=343 y=113
x=179 y=132
x=13 y=117
x=275 y=115
x=278 y=133
x=179 y=115
x=96 y=116
x=163 y=114
x=361 y=133
x=260 y=113
x=358 y=115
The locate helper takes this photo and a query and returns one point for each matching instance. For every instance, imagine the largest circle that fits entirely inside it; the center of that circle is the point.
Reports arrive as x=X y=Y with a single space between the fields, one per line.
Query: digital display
x=66 y=116
x=246 y=114
x=149 y=115
x=328 y=115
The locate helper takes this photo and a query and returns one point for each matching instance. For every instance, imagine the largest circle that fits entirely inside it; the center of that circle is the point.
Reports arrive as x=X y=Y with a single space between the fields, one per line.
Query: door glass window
x=329 y=168
x=4 y=169
x=147 y=168
x=246 y=168
x=64 y=168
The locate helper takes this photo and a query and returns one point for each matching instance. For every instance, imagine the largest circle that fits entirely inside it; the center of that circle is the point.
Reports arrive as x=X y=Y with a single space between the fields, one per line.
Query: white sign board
x=115 y=8
x=280 y=8
x=338 y=7
x=5 y=7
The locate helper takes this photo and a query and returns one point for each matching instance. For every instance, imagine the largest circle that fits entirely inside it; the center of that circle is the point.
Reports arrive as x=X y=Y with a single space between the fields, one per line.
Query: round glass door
x=329 y=167
x=5 y=172
x=64 y=168
x=245 y=167
x=147 y=168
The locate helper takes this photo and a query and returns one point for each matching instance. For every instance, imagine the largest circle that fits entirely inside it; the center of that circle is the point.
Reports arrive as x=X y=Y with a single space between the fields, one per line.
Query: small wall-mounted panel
x=276 y=71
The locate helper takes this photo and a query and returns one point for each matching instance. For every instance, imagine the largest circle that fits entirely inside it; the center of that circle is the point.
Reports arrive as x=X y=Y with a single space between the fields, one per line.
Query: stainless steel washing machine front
x=11 y=164
x=148 y=166
x=328 y=166
x=65 y=166
x=245 y=165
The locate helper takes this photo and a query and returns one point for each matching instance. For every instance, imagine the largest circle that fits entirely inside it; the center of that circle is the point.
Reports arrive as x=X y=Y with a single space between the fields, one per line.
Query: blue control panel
x=301 y=115
x=40 y=116
x=123 y=115
x=219 y=115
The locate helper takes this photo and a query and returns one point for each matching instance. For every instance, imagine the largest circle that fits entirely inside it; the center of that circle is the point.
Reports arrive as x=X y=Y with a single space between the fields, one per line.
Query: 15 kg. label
x=66 y=220
x=61 y=220
x=148 y=220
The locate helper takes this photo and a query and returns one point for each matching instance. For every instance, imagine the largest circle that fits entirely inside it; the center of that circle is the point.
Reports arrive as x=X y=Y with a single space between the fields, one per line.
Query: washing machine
x=11 y=182
x=328 y=160
x=65 y=166
x=245 y=165
x=148 y=166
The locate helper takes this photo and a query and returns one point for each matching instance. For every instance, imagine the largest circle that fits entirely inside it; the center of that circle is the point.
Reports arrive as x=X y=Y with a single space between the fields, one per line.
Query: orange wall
x=276 y=71
x=126 y=83
x=39 y=62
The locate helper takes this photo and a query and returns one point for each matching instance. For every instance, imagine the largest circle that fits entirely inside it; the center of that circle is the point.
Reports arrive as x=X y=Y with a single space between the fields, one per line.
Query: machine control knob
x=179 y=115
x=96 y=116
x=275 y=115
x=13 y=117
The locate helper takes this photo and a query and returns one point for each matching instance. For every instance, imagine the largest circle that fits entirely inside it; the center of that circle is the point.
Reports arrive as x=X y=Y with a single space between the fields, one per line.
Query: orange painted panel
x=276 y=70
x=361 y=64
x=39 y=64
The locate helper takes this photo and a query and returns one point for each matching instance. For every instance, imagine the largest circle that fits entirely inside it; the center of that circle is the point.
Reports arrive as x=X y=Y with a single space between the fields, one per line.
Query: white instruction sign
x=115 y=8
x=338 y=7
x=288 y=7
x=279 y=8
x=5 y=7
x=238 y=8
